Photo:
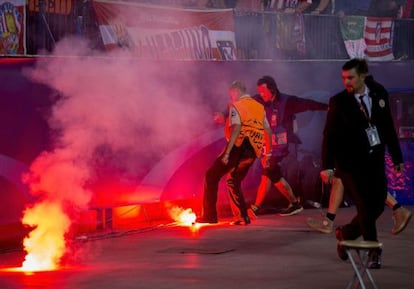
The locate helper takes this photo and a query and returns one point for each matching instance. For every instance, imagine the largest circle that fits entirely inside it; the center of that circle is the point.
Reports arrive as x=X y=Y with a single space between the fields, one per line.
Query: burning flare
x=56 y=180
x=45 y=244
x=183 y=216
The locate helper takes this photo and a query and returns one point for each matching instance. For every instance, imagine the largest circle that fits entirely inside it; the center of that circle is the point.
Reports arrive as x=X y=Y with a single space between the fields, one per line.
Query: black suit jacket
x=345 y=143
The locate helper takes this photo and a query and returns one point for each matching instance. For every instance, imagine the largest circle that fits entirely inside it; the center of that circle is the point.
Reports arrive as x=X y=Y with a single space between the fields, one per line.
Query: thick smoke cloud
x=114 y=111
x=114 y=117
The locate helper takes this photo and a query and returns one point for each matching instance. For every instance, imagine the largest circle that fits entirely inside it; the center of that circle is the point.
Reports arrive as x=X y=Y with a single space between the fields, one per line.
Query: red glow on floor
x=19 y=270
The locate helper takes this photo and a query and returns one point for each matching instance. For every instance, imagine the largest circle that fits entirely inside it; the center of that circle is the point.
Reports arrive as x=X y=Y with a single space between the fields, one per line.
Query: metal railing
x=257 y=33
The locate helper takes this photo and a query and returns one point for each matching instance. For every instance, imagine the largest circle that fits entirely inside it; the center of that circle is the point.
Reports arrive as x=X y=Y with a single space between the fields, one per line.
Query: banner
x=378 y=36
x=290 y=33
x=156 y=32
x=12 y=27
x=368 y=37
x=352 y=29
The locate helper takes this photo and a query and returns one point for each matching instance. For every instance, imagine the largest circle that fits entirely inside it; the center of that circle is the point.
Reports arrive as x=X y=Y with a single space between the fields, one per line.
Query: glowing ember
x=45 y=244
x=185 y=217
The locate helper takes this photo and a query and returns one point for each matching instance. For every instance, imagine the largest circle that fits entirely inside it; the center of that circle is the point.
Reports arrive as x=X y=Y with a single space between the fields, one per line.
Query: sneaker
x=340 y=249
x=252 y=211
x=323 y=226
x=374 y=259
x=401 y=218
x=293 y=209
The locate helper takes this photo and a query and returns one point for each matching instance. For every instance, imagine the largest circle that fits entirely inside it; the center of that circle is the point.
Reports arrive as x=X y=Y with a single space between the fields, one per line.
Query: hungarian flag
x=156 y=32
x=378 y=36
x=352 y=29
x=368 y=37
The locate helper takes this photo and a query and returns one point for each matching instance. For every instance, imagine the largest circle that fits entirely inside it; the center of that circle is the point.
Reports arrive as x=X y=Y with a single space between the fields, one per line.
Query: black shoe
x=341 y=252
x=340 y=249
x=374 y=259
x=203 y=220
x=293 y=209
x=241 y=221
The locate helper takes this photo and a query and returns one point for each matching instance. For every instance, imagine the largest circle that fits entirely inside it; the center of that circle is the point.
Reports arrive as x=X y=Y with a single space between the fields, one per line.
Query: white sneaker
x=323 y=226
x=401 y=218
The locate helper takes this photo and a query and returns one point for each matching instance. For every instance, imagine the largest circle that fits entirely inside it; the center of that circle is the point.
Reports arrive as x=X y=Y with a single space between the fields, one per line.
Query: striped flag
x=368 y=37
x=378 y=35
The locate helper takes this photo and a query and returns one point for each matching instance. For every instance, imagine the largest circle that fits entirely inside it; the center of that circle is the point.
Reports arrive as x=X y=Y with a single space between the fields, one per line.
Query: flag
x=378 y=36
x=290 y=33
x=12 y=27
x=368 y=37
x=157 y=32
x=352 y=30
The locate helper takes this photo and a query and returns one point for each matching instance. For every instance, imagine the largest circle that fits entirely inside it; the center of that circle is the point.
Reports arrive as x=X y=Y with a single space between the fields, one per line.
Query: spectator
x=407 y=9
x=298 y=6
x=352 y=7
x=320 y=7
x=385 y=8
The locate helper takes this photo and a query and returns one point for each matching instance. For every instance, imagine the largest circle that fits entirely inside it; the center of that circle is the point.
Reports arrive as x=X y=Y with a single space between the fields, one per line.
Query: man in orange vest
x=248 y=137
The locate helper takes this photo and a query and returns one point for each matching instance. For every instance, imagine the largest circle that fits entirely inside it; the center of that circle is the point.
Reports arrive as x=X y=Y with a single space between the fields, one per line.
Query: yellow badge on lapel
x=381 y=103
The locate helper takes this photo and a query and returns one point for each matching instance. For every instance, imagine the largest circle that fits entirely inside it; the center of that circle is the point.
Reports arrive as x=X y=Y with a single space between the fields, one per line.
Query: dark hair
x=360 y=65
x=270 y=83
x=238 y=85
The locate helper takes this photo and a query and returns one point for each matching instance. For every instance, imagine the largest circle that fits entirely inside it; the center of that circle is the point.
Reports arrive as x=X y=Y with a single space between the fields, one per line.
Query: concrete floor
x=272 y=252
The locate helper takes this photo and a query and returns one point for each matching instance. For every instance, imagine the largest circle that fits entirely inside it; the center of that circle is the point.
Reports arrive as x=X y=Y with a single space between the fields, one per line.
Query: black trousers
x=240 y=160
x=368 y=189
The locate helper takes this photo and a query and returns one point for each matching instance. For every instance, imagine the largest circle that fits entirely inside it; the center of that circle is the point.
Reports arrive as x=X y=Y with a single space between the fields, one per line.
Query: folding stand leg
x=360 y=269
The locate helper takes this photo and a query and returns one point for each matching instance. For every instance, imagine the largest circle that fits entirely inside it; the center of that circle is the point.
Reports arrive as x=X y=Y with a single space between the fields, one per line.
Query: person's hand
x=225 y=158
x=326 y=176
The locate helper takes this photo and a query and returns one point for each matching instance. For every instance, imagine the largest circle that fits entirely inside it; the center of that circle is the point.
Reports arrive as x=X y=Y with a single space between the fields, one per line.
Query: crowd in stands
x=378 y=8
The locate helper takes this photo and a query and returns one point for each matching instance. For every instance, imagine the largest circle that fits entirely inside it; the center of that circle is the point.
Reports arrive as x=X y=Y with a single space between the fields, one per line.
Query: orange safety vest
x=252 y=117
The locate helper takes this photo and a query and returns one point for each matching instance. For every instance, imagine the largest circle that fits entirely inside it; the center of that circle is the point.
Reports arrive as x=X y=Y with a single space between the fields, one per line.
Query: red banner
x=155 y=32
x=12 y=27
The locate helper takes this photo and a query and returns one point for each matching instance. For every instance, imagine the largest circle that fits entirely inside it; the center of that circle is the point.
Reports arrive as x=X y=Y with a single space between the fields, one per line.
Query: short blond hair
x=237 y=84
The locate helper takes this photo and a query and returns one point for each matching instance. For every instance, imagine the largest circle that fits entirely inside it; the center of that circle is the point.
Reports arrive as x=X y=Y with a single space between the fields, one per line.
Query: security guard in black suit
x=359 y=128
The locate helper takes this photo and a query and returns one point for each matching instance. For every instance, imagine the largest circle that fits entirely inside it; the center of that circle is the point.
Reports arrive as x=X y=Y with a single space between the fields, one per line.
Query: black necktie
x=364 y=106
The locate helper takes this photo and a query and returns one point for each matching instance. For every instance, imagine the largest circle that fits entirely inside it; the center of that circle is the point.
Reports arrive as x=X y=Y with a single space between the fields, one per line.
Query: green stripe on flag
x=352 y=27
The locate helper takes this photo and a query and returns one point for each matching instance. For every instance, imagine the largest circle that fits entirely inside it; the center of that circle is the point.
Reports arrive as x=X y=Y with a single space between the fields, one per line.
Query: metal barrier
x=262 y=36
x=259 y=35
